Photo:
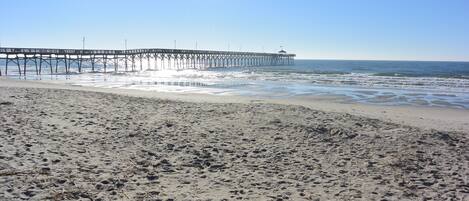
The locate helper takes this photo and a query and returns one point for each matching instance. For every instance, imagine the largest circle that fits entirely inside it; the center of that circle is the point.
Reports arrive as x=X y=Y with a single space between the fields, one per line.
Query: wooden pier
x=60 y=61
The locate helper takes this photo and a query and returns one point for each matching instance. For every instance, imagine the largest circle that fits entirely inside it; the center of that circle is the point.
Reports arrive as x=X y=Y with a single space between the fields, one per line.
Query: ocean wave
x=369 y=80
x=435 y=75
x=366 y=80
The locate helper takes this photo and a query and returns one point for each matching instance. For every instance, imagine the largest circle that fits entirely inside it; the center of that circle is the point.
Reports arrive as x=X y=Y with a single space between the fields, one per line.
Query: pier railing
x=83 y=60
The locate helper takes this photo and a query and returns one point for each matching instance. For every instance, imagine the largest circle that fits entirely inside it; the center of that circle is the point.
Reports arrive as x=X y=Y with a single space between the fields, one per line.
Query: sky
x=312 y=29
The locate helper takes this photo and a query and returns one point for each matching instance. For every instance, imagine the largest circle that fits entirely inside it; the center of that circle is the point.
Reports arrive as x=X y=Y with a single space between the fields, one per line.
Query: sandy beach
x=62 y=142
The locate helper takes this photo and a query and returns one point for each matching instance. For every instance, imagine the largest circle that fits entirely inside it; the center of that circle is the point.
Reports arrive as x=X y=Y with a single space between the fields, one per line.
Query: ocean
x=419 y=83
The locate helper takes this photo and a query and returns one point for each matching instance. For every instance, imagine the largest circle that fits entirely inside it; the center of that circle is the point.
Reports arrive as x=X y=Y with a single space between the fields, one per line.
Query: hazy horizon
x=331 y=30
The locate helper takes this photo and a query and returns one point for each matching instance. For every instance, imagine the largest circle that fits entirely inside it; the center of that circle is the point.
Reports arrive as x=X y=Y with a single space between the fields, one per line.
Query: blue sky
x=316 y=29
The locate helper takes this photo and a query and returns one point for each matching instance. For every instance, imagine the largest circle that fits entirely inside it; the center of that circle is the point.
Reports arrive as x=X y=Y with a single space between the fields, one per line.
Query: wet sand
x=64 y=144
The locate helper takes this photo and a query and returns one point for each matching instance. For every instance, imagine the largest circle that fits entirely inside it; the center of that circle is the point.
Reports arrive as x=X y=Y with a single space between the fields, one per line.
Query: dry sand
x=63 y=144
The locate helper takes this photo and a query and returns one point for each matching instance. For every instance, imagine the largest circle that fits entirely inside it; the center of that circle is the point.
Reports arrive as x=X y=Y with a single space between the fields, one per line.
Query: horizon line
x=410 y=60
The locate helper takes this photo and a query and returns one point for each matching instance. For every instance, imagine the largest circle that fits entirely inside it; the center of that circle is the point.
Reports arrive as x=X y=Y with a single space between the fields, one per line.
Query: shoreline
x=427 y=117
